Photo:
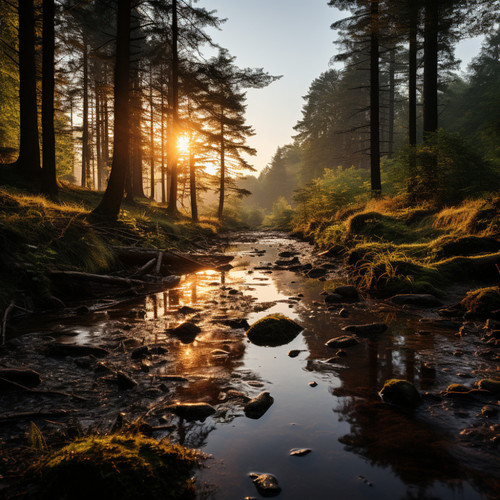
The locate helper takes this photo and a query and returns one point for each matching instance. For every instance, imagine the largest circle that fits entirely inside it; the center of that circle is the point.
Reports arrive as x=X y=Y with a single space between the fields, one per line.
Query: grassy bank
x=391 y=247
x=38 y=235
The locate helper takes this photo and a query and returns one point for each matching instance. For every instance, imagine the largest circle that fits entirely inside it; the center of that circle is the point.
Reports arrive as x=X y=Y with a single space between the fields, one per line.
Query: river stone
x=26 y=377
x=343 y=341
x=294 y=353
x=286 y=263
x=489 y=385
x=317 y=272
x=186 y=332
x=348 y=291
x=256 y=407
x=125 y=382
x=74 y=350
x=287 y=254
x=457 y=388
x=400 y=393
x=334 y=298
x=191 y=411
x=266 y=484
x=489 y=411
x=273 y=331
x=416 y=300
x=299 y=452
x=140 y=352
x=370 y=329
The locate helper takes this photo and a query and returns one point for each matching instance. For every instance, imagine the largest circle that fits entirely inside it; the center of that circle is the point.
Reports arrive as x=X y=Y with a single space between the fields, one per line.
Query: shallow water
x=361 y=447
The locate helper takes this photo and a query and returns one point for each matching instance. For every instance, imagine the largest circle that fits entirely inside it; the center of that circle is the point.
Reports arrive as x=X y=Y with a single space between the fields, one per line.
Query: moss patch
x=482 y=301
x=127 y=467
x=273 y=330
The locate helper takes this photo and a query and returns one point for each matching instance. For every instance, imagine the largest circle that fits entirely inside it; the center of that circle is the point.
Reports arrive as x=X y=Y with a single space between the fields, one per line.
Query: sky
x=291 y=38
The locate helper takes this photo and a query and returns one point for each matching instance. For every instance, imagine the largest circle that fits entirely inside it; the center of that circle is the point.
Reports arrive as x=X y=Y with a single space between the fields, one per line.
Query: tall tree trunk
x=392 y=98
x=412 y=91
x=105 y=122
x=109 y=207
x=98 y=127
x=172 y=203
x=192 y=185
x=222 y=186
x=162 y=133
x=85 y=133
x=152 y=133
x=375 y=100
x=431 y=66
x=49 y=177
x=29 y=148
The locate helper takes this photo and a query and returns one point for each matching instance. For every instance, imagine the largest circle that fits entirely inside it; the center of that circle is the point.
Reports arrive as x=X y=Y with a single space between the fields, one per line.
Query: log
x=98 y=278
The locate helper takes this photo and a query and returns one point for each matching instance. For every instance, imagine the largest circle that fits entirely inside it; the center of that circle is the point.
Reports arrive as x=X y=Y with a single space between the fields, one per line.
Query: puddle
x=361 y=448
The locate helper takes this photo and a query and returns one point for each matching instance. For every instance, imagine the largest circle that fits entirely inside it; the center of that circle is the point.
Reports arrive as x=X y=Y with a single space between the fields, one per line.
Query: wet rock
x=492 y=324
x=74 y=350
x=157 y=349
x=224 y=268
x=274 y=330
x=299 y=452
x=416 y=300
x=235 y=323
x=343 y=313
x=220 y=352
x=427 y=370
x=266 y=484
x=481 y=303
x=457 y=388
x=316 y=273
x=489 y=411
x=191 y=411
x=334 y=298
x=26 y=377
x=85 y=362
x=349 y=292
x=333 y=360
x=294 y=353
x=237 y=396
x=82 y=310
x=258 y=406
x=101 y=367
x=365 y=330
x=185 y=310
x=400 y=393
x=140 y=352
x=341 y=353
x=287 y=263
x=343 y=341
x=489 y=385
x=288 y=254
x=313 y=384
x=125 y=382
x=186 y=332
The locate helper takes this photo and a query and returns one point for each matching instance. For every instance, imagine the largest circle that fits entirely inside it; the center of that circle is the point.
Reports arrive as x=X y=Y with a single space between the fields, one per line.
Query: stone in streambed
x=294 y=353
x=191 y=411
x=273 y=331
x=316 y=273
x=416 y=300
x=343 y=341
x=266 y=484
x=26 y=377
x=140 y=352
x=299 y=452
x=258 y=406
x=349 y=292
x=74 y=350
x=400 y=393
x=489 y=385
x=125 y=382
x=370 y=329
x=334 y=298
x=186 y=332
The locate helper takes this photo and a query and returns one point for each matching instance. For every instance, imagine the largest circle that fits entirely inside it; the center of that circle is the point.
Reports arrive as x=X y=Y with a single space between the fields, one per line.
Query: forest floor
x=391 y=246
x=40 y=236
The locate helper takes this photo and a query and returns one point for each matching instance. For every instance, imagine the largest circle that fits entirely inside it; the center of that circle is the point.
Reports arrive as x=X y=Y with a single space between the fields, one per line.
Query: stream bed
x=360 y=447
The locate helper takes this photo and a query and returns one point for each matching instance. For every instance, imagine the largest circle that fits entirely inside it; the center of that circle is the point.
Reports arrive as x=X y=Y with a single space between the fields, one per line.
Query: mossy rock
x=273 y=331
x=457 y=388
x=122 y=467
x=481 y=302
x=489 y=385
x=400 y=393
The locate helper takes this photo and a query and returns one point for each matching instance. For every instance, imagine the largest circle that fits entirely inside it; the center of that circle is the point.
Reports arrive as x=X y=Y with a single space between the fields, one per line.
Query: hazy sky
x=285 y=37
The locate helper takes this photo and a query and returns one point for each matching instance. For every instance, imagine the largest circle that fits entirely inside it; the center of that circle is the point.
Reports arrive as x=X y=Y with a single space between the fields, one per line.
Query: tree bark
x=85 y=132
x=192 y=184
x=109 y=207
x=412 y=75
x=162 y=133
x=222 y=187
x=172 y=204
x=431 y=66
x=152 y=134
x=392 y=96
x=375 y=100
x=29 y=148
x=49 y=176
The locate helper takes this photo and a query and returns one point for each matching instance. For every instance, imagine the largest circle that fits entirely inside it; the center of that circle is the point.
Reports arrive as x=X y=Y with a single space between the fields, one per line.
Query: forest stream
x=352 y=445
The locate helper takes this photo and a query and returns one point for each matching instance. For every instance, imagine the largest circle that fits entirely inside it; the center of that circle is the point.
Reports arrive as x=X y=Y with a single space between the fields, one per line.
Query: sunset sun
x=183 y=144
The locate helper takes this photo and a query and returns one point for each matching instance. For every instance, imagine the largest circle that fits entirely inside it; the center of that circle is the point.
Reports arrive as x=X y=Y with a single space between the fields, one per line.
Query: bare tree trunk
x=375 y=100
x=222 y=186
x=392 y=97
x=431 y=66
x=98 y=127
x=412 y=91
x=29 y=148
x=192 y=184
x=109 y=207
x=162 y=133
x=152 y=132
x=85 y=133
x=172 y=204
x=49 y=176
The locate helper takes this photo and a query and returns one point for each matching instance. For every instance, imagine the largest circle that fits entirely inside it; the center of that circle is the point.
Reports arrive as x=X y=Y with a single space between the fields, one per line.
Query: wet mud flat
x=105 y=369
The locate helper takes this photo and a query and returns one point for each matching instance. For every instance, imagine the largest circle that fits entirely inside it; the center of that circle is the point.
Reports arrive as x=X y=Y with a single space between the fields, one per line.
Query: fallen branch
x=31 y=415
x=4 y=322
x=145 y=267
x=5 y=383
x=158 y=263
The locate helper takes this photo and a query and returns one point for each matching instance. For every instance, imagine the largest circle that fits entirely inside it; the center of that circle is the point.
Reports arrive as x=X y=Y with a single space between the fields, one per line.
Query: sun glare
x=183 y=144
